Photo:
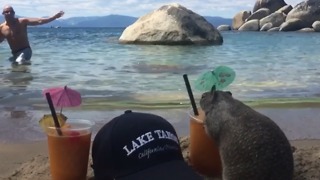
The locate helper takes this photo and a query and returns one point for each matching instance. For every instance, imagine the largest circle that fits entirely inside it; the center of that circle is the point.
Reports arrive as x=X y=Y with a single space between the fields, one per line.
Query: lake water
x=269 y=67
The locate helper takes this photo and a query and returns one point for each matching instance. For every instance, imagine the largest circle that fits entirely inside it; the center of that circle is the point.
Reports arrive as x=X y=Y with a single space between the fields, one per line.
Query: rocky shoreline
x=173 y=24
x=277 y=15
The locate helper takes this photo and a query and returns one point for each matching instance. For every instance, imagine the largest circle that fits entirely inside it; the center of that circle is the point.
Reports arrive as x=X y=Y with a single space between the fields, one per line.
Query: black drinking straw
x=193 y=102
x=53 y=113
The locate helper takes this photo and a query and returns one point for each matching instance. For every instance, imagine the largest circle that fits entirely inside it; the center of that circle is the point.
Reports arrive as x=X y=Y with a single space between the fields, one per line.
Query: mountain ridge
x=114 y=20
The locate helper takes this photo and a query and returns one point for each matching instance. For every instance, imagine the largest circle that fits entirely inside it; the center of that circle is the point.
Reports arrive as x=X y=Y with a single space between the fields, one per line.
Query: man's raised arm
x=40 y=21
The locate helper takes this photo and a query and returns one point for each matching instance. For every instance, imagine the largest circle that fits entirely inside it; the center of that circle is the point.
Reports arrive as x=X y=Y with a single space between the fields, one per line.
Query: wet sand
x=22 y=126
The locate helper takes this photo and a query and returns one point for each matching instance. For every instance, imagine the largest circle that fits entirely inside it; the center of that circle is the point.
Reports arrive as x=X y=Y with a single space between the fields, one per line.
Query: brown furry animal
x=251 y=145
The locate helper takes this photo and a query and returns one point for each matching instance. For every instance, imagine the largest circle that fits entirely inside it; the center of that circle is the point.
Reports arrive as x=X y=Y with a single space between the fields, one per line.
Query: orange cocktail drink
x=69 y=152
x=204 y=153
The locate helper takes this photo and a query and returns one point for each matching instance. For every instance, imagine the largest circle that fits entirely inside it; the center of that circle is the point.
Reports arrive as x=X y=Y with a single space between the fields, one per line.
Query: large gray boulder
x=261 y=13
x=316 y=26
x=239 y=19
x=171 y=24
x=285 y=9
x=224 y=27
x=252 y=25
x=308 y=11
x=272 y=5
x=276 y=18
x=292 y=25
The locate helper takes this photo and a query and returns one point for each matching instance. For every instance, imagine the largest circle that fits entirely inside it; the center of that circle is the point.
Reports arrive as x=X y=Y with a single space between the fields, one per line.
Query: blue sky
x=136 y=8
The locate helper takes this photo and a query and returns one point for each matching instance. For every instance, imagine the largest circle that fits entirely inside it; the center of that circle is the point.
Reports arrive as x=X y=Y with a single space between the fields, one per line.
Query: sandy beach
x=13 y=155
x=24 y=154
x=30 y=161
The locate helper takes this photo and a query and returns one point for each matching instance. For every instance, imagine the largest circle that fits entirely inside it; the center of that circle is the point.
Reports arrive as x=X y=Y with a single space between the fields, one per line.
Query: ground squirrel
x=251 y=145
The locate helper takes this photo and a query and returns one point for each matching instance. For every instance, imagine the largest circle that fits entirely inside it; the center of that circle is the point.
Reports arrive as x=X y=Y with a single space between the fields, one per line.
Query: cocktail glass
x=204 y=153
x=69 y=152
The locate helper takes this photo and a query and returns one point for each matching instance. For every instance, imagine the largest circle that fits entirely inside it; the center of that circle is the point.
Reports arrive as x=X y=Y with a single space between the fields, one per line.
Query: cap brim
x=173 y=170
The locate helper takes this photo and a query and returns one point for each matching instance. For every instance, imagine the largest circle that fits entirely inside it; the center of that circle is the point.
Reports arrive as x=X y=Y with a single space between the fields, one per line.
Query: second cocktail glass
x=204 y=153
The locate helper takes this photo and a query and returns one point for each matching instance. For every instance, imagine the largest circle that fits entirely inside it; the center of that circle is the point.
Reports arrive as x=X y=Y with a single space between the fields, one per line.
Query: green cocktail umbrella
x=206 y=81
x=219 y=78
x=225 y=77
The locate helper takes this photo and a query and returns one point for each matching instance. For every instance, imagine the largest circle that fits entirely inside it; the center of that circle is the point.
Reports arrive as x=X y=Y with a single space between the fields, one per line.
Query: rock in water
x=276 y=18
x=272 y=5
x=224 y=27
x=266 y=27
x=251 y=145
x=171 y=24
x=307 y=11
x=292 y=25
x=316 y=26
x=252 y=25
x=239 y=19
x=259 y=14
x=285 y=9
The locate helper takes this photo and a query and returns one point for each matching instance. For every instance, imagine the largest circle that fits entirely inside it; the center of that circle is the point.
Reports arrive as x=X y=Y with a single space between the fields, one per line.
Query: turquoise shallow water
x=272 y=69
x=274 y=66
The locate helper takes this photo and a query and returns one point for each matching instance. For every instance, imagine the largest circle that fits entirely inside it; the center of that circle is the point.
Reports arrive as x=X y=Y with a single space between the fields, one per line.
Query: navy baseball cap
x=139 y=146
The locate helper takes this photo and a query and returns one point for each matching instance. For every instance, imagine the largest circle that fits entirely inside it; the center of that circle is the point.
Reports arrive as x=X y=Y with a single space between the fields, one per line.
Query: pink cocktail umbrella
x=64 y=97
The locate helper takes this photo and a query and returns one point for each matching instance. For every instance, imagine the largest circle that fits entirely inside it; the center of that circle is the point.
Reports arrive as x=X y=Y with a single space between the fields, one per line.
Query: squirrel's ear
x=229 y=93
x=214 y=95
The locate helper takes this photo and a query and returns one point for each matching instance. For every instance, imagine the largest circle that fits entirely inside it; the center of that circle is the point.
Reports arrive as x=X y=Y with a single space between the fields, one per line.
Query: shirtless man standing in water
x=14 y=30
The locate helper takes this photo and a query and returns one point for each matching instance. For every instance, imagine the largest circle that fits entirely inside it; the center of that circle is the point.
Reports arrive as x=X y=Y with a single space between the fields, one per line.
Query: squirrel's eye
x=203 y=95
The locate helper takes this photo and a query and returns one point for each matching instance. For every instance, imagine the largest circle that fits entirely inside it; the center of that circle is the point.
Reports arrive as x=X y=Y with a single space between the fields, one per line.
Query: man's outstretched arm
x=40 y=21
